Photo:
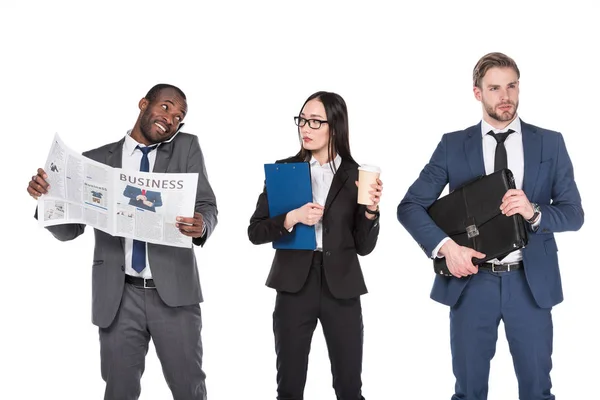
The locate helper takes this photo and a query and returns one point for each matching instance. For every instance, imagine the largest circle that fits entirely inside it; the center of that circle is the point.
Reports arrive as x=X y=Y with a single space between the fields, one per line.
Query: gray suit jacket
x=174 y=269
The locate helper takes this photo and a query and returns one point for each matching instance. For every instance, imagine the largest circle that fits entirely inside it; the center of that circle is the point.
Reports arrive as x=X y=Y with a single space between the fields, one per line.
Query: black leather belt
x=140 y=282
x=501 y=267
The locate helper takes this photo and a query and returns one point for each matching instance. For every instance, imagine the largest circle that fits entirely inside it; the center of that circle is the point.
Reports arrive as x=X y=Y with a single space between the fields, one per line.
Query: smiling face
x=160 y=118
x=499 y=96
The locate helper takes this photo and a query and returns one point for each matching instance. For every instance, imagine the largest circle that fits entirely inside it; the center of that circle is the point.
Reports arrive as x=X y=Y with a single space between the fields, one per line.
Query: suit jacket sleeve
x=64 y=232
x=565 y=213
x=412 y=210
x=366 y=232
x=264 y=228
x=206 y=203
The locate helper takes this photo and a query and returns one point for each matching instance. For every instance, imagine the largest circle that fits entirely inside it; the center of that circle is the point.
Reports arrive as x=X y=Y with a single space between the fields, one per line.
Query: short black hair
x=156 y=89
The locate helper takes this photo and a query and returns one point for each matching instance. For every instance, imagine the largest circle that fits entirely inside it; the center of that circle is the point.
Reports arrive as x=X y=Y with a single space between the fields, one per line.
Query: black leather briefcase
x=471 y=216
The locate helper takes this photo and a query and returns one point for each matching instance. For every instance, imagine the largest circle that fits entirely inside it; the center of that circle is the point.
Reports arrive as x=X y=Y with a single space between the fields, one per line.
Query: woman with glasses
x=324 y=284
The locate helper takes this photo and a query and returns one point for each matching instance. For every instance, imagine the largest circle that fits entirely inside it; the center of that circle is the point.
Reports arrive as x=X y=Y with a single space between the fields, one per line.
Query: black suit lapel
x=339 y=180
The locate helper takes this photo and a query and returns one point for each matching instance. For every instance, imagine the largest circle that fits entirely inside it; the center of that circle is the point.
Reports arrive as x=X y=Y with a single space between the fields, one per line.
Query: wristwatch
x=536 y=213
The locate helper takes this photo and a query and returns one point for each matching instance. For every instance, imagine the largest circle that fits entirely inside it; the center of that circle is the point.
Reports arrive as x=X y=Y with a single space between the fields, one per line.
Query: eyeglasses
x=312 y=123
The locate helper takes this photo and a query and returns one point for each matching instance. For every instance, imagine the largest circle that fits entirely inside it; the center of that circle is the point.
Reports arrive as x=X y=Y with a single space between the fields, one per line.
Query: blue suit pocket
x=550 y=246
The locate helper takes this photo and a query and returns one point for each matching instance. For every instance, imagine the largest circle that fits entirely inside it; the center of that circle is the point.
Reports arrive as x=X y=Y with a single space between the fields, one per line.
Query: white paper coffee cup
x=367 y=175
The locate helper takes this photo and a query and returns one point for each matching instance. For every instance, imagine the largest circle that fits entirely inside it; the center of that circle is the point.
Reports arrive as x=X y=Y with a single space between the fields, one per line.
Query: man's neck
x=136 y=134
x=494 y=123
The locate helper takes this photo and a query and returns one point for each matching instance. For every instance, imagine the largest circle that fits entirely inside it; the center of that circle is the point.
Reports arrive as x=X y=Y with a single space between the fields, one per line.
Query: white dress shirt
x=321 y=177
x=516 y=164
x=131 y=160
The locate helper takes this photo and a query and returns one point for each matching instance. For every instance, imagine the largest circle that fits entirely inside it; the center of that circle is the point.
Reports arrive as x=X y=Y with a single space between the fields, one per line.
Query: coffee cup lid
x=369 y=168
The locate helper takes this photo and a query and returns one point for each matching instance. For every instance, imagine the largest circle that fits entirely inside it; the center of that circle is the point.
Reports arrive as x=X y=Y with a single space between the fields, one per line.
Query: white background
x=80 y=69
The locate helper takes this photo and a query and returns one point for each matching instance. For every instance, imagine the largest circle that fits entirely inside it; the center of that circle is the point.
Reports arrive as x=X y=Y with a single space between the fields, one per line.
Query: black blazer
x=347 y=233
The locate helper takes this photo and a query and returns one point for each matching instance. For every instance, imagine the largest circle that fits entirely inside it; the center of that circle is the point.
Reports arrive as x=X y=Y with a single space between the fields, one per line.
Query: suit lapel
x=532 y=152
x=163 y=155
x=474 y=150
x=114 y=158
x=339 y=180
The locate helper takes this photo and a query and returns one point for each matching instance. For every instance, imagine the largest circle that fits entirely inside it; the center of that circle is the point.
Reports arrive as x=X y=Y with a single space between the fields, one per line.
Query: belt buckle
x=145 y=285
x=506 y=266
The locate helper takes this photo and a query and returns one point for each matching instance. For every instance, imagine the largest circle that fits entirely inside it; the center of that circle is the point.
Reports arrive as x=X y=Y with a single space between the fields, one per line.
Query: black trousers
x=294 y=321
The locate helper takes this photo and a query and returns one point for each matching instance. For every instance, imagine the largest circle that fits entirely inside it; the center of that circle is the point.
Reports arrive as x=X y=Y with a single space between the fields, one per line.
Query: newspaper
x=131 y=204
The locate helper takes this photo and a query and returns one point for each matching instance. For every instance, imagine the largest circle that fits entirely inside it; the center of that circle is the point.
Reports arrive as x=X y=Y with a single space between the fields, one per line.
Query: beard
x=501 y=116
x=148 y=128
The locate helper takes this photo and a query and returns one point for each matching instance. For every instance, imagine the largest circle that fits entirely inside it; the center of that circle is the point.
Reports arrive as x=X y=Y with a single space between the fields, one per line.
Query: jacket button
x=122 y=268
x=328 y=253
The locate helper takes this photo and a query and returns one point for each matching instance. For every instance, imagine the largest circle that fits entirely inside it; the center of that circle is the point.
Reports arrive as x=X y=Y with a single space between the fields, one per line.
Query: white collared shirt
x=321 y=177
x=516 y=163
x=514 y=150
x=131 y=160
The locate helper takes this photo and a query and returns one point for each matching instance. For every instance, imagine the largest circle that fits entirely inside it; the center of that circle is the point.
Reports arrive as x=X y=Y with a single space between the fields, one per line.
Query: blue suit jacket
x=548 y=180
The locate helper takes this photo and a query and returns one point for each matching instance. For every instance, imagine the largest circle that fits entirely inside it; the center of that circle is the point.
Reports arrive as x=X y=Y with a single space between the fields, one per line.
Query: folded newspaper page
x=131 y=204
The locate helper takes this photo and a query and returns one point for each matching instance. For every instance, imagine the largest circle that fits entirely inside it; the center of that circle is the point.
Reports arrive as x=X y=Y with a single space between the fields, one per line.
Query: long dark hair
x=337 y=118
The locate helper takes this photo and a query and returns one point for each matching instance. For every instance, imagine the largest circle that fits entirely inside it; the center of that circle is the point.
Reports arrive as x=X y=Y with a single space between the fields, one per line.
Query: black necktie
x=138 y=258
x=500 y=159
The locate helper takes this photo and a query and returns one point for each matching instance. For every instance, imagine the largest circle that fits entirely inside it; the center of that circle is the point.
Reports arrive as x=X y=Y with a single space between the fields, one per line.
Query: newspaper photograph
x=131 y=204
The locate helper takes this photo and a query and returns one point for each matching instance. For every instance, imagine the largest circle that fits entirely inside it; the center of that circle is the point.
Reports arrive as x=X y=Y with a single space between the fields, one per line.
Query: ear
x=143 y=104
x=477 y=93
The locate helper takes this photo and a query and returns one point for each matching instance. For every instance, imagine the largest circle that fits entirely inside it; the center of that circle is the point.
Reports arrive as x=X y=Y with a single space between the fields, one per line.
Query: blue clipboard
x=289 y=187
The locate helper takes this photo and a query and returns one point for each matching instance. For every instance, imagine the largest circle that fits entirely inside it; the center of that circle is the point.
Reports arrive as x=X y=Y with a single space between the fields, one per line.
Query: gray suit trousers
x=175 y=332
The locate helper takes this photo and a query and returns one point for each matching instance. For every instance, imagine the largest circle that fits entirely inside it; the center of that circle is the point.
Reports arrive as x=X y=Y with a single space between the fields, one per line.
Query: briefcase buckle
x=472 y=231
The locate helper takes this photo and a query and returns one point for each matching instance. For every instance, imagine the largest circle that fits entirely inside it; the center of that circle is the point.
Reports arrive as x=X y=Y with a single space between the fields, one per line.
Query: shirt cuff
x=435 y=251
